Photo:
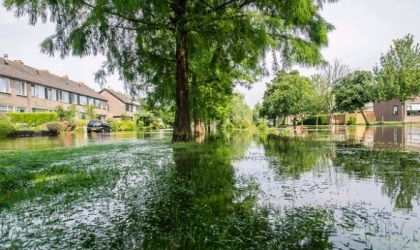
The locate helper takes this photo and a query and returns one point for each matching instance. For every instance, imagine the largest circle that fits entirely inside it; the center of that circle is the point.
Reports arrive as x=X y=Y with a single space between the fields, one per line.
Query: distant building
x=394 y=110
x=120 y=104
x=26 y=89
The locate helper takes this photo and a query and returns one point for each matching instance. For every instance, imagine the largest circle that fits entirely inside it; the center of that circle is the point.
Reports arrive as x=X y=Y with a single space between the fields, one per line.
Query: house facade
x=26 y=89
x=395 y=110
x=120 y=104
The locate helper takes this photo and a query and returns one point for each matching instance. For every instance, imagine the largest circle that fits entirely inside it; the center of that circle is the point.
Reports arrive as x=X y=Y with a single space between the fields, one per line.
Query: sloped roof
x=18 y=70
x=120 y=96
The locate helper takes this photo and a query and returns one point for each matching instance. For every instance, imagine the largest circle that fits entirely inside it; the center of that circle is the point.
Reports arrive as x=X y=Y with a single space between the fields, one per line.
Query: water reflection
x=75 y=140
x=375 y=194
x=201 y=204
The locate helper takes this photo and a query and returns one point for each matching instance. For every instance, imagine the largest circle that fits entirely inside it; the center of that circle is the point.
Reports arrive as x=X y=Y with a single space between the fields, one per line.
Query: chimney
x=5 y=59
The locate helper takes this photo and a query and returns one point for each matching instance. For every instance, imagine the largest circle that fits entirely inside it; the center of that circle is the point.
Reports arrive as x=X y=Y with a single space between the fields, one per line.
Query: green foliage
x=316 y=120
x=112 y=123
x=80 y=124
x=68 y=114
x=228 y=40
x=54 y=126
x=6 y=128
x=125 y=126
x=240 y=114
x=352 y=121
x=262 y=126
x=288 y=94
x=324 y=83
x=147 y=120
x=354 y=91
x=32 y=118
x=90 y=111
x=398 y=76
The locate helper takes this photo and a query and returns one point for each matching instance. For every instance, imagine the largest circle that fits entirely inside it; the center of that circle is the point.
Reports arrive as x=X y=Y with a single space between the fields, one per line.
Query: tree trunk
x=364 y=117
x=182 y=123
x=403 y=112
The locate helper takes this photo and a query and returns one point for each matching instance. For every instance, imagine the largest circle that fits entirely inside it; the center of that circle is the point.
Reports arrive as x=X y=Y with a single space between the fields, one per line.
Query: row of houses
x=27 y=89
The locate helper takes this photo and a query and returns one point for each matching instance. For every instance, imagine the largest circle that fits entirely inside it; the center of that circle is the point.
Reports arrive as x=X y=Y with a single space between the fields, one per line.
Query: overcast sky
x=364 y=29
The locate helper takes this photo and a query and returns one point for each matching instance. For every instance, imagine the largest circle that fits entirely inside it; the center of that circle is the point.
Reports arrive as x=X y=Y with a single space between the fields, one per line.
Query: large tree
x=353 y=91
x=288 y=94
x=325 y=81
x=398 y=76
x=154 y=42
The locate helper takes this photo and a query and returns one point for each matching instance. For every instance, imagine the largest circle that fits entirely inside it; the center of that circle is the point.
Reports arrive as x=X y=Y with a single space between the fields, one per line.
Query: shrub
x=126 y=126
x=312 y=120
x=80 y=124
x=55 y=126
x=228 y=125
x=262 y=126
x=33 y=118
x=113 y=124
x=352 y=120
x=6 y=128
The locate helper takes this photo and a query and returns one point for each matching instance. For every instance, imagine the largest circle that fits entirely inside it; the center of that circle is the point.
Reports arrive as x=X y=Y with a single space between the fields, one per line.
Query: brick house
x=394 y=110
x=26 y=89
x=120 y=104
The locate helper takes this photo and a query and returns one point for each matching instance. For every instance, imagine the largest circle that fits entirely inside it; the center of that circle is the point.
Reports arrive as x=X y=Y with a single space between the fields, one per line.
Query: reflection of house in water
x=407 y=136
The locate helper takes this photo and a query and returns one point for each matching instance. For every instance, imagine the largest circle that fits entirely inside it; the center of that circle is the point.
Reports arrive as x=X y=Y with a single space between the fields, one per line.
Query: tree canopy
x=161 y=45
x=288 y=94
x=398 y=76
x=353 y=91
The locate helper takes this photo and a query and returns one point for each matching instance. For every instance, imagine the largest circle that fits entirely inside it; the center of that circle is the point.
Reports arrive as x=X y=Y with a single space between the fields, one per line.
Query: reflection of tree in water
x=292 y=156
x=399 y=171
x=196 y=204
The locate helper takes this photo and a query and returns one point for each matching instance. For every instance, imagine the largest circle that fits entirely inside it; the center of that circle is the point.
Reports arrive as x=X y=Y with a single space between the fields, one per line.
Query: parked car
x=98 y=126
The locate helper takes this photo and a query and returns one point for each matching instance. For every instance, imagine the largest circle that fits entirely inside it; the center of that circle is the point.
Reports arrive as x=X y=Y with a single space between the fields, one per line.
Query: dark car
x=98 y=126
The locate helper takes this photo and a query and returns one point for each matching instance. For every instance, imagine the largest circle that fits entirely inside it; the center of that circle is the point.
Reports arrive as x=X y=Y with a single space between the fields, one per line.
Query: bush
x=125 y=126
x=80 y=124
x=113 y=124
x=312 y=120
x=262 y=126
x=55 y=126
x=33 y=118
x=6 y=128
x=352 y=120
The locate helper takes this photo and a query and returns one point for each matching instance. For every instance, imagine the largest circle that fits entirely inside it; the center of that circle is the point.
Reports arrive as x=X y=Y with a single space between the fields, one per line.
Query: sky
x=364 y=29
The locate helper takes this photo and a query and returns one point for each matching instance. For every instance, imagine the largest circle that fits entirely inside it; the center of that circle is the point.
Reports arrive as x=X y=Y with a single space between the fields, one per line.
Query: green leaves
x=398 y=76
x=353 y=91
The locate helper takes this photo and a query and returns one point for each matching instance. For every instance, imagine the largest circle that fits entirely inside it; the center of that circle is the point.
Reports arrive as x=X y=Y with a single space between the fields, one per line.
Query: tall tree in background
x=325 y=81
x=398 y=76
x=154 y=42
x=353 y=91
x=288 y=94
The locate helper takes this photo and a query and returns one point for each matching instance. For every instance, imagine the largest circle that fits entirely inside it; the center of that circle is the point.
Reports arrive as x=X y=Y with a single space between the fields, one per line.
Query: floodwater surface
x=329 y=188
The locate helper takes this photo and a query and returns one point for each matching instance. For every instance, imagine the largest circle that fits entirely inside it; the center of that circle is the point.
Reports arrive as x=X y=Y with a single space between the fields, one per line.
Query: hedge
x=6 y=128
x=33 y=118
x=322 y=120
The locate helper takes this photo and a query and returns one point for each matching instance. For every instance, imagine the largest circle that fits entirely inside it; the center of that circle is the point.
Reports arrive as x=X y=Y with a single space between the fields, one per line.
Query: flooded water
x=304 y=188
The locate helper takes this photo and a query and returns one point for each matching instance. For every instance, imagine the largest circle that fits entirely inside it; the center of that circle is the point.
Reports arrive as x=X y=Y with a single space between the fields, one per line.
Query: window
x=82 y=100
x=6 y=109
x=72 y=98
x=413 y=109
x=395 y=110
x=20 y=88
x=38 y=91
x=52 y=94
x=4 y=85
x=65 y=97
x=21 y=109
x=39 y=110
